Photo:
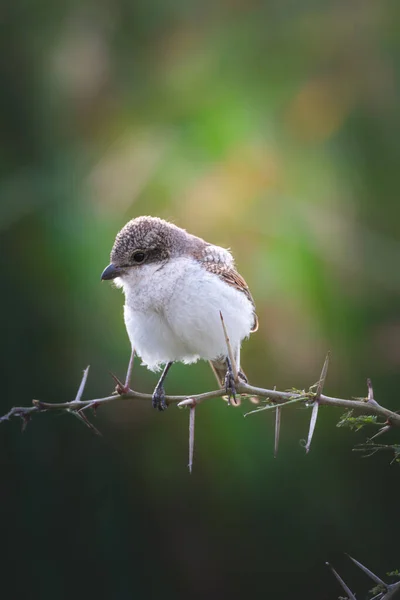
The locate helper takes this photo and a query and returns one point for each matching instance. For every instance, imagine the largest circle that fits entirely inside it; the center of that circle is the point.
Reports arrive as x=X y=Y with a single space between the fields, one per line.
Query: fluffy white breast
x=172 y=312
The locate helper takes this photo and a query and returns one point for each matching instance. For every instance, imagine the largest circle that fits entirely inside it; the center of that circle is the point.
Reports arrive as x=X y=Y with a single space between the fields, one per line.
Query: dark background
x=272 y=128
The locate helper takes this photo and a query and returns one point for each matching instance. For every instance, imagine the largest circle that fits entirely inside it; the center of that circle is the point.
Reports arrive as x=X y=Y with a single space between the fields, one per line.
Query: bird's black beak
x=111 y=272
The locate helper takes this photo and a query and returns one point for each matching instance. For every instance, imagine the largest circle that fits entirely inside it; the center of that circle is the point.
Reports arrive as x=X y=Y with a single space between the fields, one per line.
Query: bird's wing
x=228 y=274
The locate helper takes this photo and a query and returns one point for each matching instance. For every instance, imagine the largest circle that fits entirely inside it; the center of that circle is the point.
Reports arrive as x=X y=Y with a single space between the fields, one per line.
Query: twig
x=274 y=396
x=277 y=398
x=285 y=399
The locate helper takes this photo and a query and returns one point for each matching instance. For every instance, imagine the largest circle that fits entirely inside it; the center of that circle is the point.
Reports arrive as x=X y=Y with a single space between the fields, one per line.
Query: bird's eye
x=138 y=257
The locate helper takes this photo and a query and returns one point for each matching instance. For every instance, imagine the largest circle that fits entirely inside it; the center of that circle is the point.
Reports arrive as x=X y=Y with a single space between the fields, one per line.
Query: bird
x=176 y=288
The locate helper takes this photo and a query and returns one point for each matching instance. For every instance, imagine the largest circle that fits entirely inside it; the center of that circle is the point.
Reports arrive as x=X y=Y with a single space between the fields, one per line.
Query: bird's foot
x=230 y=387
x=158 y=398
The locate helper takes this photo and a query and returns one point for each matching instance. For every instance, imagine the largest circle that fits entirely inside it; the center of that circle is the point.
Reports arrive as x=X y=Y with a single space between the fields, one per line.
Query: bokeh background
x=272 y=128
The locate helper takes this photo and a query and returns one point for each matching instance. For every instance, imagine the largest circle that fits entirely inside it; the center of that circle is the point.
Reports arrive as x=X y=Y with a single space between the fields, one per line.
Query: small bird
x=176 y=287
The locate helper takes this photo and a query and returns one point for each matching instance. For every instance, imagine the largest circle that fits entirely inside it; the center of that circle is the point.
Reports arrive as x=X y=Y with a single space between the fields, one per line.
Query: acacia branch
x=274 y=400
x=274 y=397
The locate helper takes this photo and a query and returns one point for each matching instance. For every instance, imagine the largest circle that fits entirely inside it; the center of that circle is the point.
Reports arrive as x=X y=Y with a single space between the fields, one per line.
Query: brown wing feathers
x=232 y=277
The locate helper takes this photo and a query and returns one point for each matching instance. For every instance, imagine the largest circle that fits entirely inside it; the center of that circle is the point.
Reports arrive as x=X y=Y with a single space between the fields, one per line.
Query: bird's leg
x=159 y=393
x=230 y=382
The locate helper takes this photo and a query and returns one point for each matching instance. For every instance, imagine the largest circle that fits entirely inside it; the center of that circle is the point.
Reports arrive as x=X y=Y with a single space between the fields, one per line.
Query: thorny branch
x=274 y=400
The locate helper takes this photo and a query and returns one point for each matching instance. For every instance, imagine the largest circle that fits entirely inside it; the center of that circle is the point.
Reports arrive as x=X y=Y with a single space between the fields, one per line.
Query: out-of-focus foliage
x=272 y=128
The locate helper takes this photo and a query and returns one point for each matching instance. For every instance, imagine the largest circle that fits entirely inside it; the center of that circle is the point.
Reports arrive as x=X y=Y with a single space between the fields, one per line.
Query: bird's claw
x=158 y=399
x=230 y=388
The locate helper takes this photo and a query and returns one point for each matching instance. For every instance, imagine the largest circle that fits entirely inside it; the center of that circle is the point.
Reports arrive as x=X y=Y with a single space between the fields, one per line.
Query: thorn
x=88 y=423
x=229 y=348
x=370 y=391
x=187 y=402
x=277 y=430
x=380 y=432
x=342 y=583
x=315 y=408
x=82 y=417
x=25 y=420
x=368 y=572
x=120 y=388
x=313 y=421
x=192 y=414
x=322 y=378
x=82 y=384
x=129 y=371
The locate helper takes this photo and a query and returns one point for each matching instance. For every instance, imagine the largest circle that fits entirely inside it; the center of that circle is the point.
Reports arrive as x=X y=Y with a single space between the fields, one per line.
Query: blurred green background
x=272 y=128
